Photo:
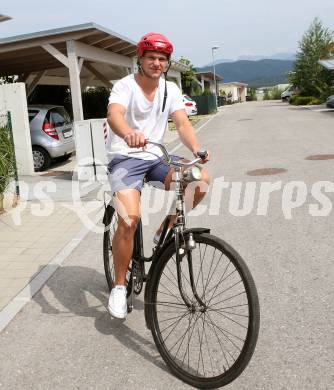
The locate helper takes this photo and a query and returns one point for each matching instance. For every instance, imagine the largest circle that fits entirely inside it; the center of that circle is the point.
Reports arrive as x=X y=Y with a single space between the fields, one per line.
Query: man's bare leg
x=127 y=205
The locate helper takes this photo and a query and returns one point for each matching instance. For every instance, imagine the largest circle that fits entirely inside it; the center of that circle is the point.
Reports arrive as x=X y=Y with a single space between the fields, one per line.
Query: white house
x=206 y=80
x=237 y=91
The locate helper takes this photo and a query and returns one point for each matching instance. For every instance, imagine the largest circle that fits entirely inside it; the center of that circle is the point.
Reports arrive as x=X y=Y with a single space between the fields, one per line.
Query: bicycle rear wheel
x=111 y=223
x=206 y=348
x=135 y=270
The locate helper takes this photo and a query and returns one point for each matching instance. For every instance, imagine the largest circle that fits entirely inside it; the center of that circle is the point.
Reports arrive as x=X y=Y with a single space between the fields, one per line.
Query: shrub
x=266 y=95
x=315 y=101
x=207 y=92
x=292 y=99
x=298 y=100
x=275 y=93
x=7 y=159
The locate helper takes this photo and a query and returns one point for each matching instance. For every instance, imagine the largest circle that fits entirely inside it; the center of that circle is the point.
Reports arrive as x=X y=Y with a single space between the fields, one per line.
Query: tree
x=266 y=94
x=188 y=79
x=7 y=162
x=252 y=94
x=311 y=78
x=8 y=79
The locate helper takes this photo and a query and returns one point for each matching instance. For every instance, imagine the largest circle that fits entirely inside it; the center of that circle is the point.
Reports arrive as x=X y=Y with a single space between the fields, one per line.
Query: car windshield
x=59 y=117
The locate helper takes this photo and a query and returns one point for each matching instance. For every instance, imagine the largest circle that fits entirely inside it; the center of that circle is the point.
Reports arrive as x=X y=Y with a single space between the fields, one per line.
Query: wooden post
x=74 y=81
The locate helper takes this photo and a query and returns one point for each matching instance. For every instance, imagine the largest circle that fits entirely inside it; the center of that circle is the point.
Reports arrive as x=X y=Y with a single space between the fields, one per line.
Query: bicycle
x=204 y=317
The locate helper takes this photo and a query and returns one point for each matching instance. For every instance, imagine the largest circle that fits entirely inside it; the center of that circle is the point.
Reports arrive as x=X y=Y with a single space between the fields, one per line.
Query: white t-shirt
x=143 y=115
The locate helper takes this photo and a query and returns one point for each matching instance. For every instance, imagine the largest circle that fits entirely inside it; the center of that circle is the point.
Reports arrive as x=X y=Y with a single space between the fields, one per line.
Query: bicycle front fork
x=181 y=251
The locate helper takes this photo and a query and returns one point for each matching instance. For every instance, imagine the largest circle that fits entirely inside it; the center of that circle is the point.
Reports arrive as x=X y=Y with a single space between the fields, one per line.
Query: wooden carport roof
x=25 y=53
x=75 y=56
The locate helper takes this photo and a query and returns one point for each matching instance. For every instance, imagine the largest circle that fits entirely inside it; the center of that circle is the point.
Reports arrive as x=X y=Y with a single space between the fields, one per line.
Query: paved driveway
x=65 y=339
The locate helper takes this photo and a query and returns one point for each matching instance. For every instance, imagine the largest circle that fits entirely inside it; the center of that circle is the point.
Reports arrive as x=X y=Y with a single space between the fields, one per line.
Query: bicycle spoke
x=213 y=272
x=227 y=289
x=228 y=312
x=168 y=319
x=177 y=322
x=225 y=332
x=184 y=334
x=172 y=282
x=209 y=277
x=226 y=299
x=200 y=355
x=226 y=277
x=182 y=338
x=220 y=344
x=171 y=294
x=217 y=284
x=207 y=344
x=162 y=303
x=220 y=282
x=229 y=307
x=228 y=318
x=189 y=336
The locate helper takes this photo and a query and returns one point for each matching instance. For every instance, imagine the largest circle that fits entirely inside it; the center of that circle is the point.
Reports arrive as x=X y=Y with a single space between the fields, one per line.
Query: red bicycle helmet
x=154 y=42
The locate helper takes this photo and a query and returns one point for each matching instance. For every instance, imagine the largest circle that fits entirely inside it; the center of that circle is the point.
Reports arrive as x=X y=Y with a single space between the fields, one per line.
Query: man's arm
x=186 y=131
x=120 y=127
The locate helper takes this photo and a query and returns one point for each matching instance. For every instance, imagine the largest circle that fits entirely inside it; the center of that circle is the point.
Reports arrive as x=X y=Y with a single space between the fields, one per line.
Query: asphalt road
x=65 y=339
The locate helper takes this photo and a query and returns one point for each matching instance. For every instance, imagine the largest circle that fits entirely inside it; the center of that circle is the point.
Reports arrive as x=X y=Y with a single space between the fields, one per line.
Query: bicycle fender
x=197 y=230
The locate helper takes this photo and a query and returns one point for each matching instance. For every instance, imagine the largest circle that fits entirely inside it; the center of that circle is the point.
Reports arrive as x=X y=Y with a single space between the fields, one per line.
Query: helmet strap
x=165 y=93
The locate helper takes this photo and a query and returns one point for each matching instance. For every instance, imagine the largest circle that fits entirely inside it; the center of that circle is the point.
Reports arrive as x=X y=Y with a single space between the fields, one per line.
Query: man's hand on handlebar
x=204 y=155
x=135 y=139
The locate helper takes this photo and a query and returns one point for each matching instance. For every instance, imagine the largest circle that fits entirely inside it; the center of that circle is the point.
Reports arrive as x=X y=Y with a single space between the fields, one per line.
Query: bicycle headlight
x=192 y=174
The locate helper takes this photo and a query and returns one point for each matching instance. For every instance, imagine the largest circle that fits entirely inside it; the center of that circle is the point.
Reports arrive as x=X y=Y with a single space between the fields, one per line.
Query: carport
x=206 y=80
x=77 y=56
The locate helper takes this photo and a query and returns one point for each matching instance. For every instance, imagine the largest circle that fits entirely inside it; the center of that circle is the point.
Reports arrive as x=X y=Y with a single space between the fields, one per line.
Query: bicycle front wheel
x=206 y=347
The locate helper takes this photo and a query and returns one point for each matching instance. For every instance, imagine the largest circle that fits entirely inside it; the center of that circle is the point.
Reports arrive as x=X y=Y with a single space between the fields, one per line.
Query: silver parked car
x=51 y=134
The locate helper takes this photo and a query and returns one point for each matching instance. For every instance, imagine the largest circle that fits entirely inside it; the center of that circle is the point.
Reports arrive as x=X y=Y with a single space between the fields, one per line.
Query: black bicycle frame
x=138 y=253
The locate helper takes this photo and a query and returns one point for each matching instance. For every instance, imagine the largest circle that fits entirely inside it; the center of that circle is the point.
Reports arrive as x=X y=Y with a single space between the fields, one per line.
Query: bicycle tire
x=220 y=358
x=107 y=247
x=110 y=221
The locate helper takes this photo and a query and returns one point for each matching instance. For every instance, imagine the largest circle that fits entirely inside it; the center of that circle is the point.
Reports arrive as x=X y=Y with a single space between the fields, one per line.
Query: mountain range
x=263 y=72
x=256 y=57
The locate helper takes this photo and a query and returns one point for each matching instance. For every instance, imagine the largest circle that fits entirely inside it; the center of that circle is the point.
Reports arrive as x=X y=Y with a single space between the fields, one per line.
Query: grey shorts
x=128 y=172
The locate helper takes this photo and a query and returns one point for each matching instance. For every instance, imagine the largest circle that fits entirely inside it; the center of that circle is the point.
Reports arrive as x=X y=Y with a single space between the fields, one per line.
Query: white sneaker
x=117 y=305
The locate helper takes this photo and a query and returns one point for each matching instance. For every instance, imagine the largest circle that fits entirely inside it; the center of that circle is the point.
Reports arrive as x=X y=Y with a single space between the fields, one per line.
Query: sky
x=238 y=27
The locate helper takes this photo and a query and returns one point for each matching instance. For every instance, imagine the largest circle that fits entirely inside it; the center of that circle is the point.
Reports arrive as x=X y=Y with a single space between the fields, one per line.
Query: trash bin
x=206 y=104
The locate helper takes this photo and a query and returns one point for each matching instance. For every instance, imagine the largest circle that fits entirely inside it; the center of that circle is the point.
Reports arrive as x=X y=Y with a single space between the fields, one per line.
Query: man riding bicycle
x=139 y=107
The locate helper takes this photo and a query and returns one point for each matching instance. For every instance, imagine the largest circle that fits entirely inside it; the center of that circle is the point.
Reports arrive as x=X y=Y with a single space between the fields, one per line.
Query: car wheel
x=42 y=159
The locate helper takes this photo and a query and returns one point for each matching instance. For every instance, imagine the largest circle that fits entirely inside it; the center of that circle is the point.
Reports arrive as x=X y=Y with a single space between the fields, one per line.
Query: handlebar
x=202 y=155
